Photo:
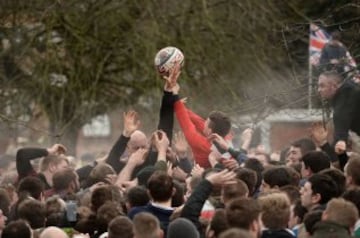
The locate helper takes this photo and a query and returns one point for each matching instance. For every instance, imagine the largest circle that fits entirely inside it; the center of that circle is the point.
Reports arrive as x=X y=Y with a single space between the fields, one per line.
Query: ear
x=324 y=216
x=173 y=192
x=316 y=198
x=161 y=233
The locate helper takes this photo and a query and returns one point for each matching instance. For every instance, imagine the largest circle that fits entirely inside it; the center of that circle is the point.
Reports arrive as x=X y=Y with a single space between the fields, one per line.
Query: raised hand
x=161 y=141
x=222 y=178
x=230 y=164
x=220 y=140
x=197 y=171
x=340 y=147
x=138 y=157
x=180 y=144
x=57 y=149
x=131 y=123
x=171 y=80
x=246 y=137
x=318 y=133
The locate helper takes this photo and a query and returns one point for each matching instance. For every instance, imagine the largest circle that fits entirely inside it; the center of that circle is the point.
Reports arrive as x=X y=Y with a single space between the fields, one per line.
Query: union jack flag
x=318 y=38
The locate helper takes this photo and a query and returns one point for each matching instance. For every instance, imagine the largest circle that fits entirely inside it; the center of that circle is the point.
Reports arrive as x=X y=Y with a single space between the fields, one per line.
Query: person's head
x=182 y=227
x=275 y=177
x=136 y=196
x=53 y=232
x=313 y=162
x=297 y=213
x=338 y=177
x=256 y=166
x=275 y=209
x=33 y=186
x=298 y=149
x=177 y=198
x=146 y=225
x=353 y=195
x=328 y=84
x=99 y=174
x=217 y=224
x=160 y=187
x=217 y=122
x=310 y=220
x=293 y=192
x=34 y=212
x=137 y=140
x=244 y=213
x=53 y=163
x=351 y=171
x=120 y=226
x=104 y=194
x=318 y=190
x=55 y=211
x=233 y=191
x=342 y=212
x=18 y=228
x=236 y=233
x=249 y=177
x=66 y=180
x=263 y=157
x=106 y=213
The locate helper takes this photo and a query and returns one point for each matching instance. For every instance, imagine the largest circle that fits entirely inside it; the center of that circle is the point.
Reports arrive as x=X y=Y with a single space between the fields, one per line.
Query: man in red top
x=196 y=129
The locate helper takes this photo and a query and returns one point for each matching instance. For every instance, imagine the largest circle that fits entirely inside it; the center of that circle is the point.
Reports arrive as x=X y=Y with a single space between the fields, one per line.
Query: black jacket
x=346 y=106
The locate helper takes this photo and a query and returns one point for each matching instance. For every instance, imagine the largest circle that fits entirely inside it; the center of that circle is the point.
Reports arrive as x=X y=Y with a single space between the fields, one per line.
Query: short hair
x=310 y=220
x=106 y=213
x=99 y=174
x=235 y=190
x=53 y=232
x=255 y=165
x=146 y=225
x=32 y=185
x=120 y=226
x=63 y=178
x=55 y=211
x=292 y=192
x=353 y=195
x=275 y=210
x=294 y=174
x=178 y=198
x=352 y=169
x=299 y=210
x=323 y=185
x=137 y=196
x=235 y=233
x=341 y=212
x=277 y=176
x=219 y=222
x=34 y=212
x=52 y=160
x=242 y=212
x=103 y=194
x=249 y=177
x=316 y=161
x=160 y=186
x=18 y=228
x=338 y=177
x=219 y=123
x=305 y=145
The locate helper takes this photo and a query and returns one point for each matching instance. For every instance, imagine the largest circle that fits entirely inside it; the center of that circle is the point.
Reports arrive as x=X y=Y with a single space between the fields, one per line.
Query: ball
x=166 y=58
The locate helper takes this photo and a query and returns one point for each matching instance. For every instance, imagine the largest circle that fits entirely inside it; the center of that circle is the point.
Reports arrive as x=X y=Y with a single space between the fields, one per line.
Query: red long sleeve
x=198 y=143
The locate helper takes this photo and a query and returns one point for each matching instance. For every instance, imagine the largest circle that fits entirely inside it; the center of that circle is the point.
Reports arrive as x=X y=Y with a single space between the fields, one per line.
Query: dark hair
x=353 y=195
x=249 y=177
x=305 y=145
x=352 y=169
x=338 y=177
x=255 y=165
x=219 y=123
x=32 y=185
x=34 y=212
x=292 y=192
x=233 y=191
x=120 y=226
x=63 y=178
x=160 y=186
x=316 y=161
x=106 y=213
x=5 y=202
x=178 y=198
x=240 y=213
x=299 y=211
x=277 y=176
x=104 y=194
x=17 y=228
x=323 y=185
x=219 y=222
x=137 y=196
x=311 y=219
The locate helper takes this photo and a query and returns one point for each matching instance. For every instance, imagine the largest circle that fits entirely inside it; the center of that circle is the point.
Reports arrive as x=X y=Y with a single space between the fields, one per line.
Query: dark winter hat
x=181 y=228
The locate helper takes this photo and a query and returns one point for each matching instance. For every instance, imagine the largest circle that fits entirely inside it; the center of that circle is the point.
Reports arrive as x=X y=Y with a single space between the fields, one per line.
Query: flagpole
x=310 y=80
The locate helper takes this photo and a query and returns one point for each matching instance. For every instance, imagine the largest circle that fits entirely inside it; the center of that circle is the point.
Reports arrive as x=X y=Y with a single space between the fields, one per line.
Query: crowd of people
x=193 y=183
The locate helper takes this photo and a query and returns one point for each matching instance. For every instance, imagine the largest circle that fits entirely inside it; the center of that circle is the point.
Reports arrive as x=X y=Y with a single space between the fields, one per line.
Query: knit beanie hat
x=181 y=228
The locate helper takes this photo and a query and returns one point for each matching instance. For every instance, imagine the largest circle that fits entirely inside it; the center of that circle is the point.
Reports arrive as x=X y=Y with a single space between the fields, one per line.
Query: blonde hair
x=275 y=209
x=341 y=212
x=52 y=160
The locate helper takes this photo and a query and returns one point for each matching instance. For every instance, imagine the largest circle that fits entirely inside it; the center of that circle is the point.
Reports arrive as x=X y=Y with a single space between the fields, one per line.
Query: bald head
x=53 y=232
x=137 y=140
x=328 y=84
